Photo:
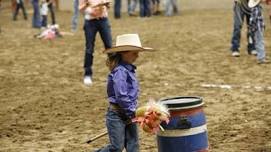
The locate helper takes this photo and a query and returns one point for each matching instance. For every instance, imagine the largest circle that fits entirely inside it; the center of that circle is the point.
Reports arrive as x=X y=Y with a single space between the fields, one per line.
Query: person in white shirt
x=44 y=13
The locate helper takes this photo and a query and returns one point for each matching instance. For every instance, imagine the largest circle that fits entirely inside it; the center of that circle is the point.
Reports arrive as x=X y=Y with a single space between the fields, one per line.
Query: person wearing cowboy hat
x=241 y=11
x=257 y=28
x=123 y=91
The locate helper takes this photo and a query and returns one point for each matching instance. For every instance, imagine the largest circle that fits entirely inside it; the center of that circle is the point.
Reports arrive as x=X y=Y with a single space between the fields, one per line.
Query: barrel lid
x=177 y=103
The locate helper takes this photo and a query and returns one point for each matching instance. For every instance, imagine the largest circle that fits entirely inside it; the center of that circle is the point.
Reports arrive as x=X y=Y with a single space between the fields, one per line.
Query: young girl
x=122 y=91
x=96 y=20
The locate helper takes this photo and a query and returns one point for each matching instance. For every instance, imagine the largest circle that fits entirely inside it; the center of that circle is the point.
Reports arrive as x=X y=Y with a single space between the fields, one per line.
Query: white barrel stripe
x=183 y=132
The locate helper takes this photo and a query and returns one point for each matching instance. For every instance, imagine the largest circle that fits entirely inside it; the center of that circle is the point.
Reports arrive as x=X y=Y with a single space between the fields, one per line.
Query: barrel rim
x=184 y=105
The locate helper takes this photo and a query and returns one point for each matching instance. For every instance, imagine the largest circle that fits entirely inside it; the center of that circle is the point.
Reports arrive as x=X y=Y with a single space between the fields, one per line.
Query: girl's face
x=129 y=56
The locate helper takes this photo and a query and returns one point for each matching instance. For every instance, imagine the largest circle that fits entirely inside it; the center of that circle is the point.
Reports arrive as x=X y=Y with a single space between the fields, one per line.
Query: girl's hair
x=113 y=60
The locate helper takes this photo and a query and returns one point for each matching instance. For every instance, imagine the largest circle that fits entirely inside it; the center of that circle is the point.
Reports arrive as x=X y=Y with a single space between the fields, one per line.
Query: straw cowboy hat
x=128 y=42
x=253 y=3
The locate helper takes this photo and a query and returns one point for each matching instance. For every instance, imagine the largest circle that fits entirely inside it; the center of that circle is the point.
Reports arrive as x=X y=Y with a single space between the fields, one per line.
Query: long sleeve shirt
x=256 y=19
x=123 y=88
x=89 y=9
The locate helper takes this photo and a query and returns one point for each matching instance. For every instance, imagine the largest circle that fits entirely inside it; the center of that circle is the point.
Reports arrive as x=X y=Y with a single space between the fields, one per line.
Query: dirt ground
x=44 y=107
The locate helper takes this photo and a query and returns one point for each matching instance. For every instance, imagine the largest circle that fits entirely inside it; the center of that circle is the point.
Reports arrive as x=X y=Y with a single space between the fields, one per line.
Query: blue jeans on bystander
x=259 y=44
x=171 y=7
x=238 y=18
x=36 y=20
x=145 y=8
x=75 y=15
x=91 y=27
x=117 y=9
x=132 y=6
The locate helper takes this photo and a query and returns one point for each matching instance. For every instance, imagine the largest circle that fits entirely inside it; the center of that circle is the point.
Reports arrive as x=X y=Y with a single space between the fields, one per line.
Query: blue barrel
x=186 y=130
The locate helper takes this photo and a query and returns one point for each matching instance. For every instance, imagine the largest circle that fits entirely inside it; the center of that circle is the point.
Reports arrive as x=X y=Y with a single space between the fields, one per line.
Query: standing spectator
x=117 y=9
x=20 y=5
x=131 y=7
x=145 y=8
x=257 y=28
x=36 y=20
x=241 y=11
x=171 y=7
x=52 y=11
x=75 y=15
x=44 y=12
x=96 y=20
x=156 y=7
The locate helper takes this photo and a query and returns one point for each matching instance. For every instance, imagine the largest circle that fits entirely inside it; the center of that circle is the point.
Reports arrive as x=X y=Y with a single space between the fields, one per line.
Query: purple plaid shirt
x=123 y=88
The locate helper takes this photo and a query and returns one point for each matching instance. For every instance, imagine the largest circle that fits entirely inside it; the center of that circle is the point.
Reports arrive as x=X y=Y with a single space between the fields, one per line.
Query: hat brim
x=124 y=48
x=252 y=4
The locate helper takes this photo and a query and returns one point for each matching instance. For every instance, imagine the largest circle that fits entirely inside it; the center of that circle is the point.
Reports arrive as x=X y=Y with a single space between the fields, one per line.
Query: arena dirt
x=44 y=107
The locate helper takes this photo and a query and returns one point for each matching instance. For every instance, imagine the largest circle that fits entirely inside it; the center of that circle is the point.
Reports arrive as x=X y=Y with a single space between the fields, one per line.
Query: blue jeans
x=238 y=19
x=259 y=44
x=145 y=8
x=75 y=14
x=171 y=7
x=36 y=20
x=91 y=27
x=121 y=135
x=117 y=8
x=44 y=21
x=132 y=6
